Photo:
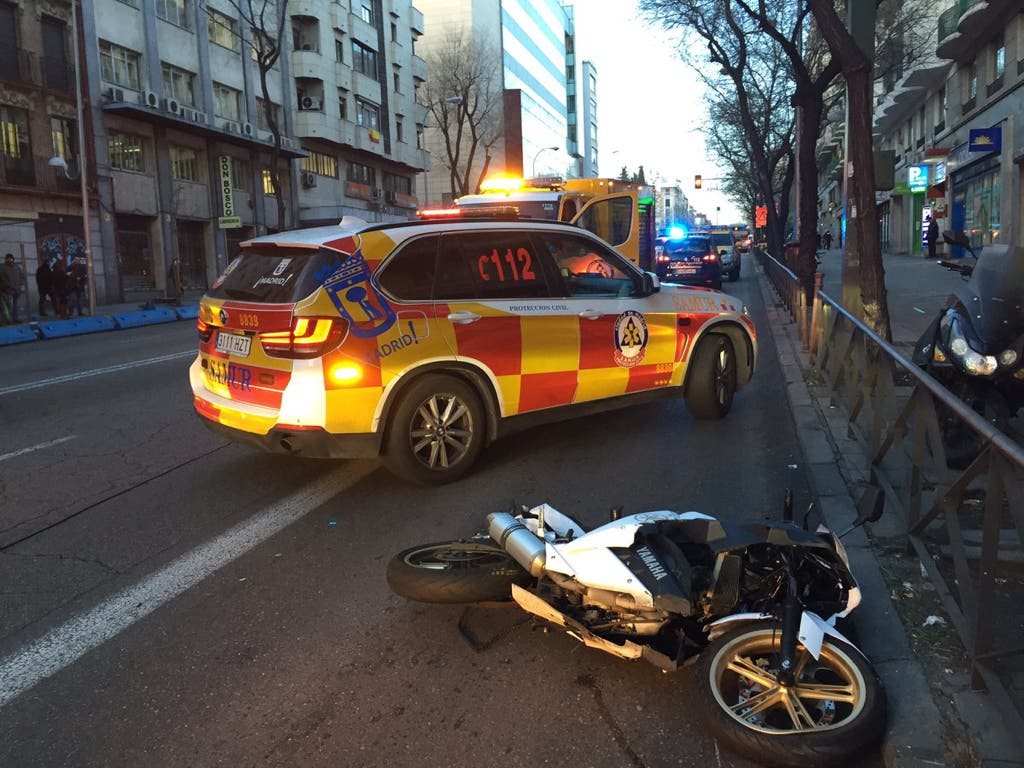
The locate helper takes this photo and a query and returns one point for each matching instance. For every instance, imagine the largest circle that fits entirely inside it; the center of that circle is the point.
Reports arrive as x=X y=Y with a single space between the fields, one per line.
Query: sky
x=650 y=106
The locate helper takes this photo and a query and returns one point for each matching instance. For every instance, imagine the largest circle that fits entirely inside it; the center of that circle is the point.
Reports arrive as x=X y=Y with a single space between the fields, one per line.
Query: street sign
x=227 y=192
x=229 y=222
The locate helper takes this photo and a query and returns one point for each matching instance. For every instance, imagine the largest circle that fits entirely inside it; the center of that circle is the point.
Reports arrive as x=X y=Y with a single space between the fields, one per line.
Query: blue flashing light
x=676 y=233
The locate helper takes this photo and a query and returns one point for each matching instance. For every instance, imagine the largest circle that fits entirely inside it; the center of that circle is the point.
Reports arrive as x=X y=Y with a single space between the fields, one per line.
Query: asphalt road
x=168 y=598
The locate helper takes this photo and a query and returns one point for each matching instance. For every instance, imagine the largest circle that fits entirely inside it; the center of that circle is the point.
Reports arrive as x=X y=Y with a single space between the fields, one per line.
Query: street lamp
x=539 y=152
x=60 y=163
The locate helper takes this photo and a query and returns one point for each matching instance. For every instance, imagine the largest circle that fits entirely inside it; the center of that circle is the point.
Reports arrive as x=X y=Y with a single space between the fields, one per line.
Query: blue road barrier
x=190 y=312
x=74 y=327
x=17 y=334
x=144 y=317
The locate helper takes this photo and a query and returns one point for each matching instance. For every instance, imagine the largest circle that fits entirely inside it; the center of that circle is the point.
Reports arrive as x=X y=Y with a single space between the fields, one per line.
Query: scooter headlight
x=973 y=362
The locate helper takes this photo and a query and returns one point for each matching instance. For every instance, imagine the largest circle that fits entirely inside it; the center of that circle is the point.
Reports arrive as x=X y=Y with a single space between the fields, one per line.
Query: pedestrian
x=61 y=289
x=44 y=284
x=12 y=286
x=827 y=240
x=78 y=279
x=933 y=237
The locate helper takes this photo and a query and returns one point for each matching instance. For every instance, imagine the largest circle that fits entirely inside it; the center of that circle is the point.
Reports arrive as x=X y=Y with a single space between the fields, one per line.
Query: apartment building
x=952 y=117
x=534 y=39
x=180 y=154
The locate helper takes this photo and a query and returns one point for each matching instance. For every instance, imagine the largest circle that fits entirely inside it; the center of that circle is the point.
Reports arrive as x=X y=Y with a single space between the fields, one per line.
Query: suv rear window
x=723 y=238
x=691 y=245
x=270 y=274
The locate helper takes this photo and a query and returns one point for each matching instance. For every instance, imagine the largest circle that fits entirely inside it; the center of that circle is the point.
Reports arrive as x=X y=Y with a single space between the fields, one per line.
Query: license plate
x=685 y=270
x=233 y=343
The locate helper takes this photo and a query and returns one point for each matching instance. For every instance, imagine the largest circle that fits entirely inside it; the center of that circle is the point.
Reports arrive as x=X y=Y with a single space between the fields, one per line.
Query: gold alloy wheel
x=829 y=692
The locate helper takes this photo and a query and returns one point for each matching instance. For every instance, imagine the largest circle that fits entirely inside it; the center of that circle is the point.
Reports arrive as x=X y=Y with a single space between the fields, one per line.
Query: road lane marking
x=65 y=644
x=49 y=444
x=95 y=372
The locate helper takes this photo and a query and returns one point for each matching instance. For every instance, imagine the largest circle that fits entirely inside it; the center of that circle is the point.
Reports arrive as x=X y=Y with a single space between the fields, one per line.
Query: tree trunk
x=809 y=110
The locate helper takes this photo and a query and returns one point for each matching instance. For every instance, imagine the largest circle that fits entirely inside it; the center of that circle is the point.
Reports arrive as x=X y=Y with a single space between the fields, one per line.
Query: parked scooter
x=975 y=345
x=754 y=604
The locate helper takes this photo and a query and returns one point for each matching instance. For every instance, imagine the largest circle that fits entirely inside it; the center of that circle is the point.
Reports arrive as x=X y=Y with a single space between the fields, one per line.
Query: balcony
x=34 y=175
x=965 y=26
x=307 y=63
x=993 y=87
x=419 y=69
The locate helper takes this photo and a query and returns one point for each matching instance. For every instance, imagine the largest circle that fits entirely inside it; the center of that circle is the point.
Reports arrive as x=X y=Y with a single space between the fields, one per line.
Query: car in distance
x=728 y=253
x=423 y=341
x=693 y=260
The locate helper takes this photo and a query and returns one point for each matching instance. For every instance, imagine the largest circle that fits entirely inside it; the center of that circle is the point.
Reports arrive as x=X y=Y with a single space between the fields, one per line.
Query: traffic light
x=696 y=181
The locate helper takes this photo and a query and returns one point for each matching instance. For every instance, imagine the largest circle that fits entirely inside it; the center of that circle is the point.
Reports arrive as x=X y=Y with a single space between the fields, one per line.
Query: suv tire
x=437 y=431
x=711 y=381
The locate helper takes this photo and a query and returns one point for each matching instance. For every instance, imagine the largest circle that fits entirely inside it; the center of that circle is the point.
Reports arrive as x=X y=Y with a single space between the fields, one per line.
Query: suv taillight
x=205 y=331
x=308 y=337
x=710 y=257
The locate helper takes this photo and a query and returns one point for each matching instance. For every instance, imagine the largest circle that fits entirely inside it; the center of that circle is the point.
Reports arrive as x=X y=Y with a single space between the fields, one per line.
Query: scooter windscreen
x=994 y=297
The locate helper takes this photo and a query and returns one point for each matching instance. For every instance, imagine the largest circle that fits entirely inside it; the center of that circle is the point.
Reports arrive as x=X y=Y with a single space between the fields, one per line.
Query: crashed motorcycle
x=975 y=345
x=753 y=605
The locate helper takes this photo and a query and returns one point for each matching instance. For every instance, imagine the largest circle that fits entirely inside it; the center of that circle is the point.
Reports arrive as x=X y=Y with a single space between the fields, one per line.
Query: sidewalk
x=935 y=717
x=108 y=317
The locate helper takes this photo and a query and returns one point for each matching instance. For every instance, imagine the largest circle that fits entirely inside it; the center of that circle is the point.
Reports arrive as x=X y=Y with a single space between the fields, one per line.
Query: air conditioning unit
x=308 y=179
x=199 y=117
x=187 y=114
x=309 y=103
x=378 y=194
x=151 y=98
x=232 y=127
x=247 y=129
x=173 y=106
x=113 y=94
x=287 y=142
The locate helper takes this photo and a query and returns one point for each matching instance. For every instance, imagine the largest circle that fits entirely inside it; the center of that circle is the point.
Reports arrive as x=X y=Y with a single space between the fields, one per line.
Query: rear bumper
x=307 y=443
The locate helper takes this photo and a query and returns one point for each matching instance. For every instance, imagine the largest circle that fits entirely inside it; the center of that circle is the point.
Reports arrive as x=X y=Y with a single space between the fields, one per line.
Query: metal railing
x=891 y=408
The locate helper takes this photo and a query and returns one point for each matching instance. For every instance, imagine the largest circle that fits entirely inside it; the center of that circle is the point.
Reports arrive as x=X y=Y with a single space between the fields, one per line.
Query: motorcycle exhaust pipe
x=525 y=547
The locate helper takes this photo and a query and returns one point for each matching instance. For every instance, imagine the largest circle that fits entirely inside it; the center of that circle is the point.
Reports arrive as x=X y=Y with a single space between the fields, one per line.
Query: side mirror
x=651 y=284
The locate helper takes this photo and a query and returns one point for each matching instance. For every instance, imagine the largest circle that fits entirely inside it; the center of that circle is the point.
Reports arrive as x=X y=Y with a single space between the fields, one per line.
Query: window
x=184 y=163
x=239 y=173
x=394 y=32
x=125 y=151
x=343 y=103
x=611 y=220
x=364 y=59
x=397 y=82
x=119 y=65
x=361 y=174
x=17 y=150
x=339 y=51
x=226 y=102
x=260 y=44
x=177 y=12
x=366 y=12
x=321 y=164
x=489 y=265
x=399 y=134
x=400 y=184
x=416 y=91
x=585 y=267
x=998 y=58
x=268 y=182
x=409 y=275
x=179 y=84
x=65 y=138
x=223 y=30
x=261 y=114
x=367 y=114
x=419 y=136
x=971 y=76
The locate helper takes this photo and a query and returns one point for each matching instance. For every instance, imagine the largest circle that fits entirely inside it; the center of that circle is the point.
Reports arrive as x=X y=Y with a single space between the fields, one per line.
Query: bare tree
x=464 y=95
x=265 y=22
x=736 y=48
x=862 y=216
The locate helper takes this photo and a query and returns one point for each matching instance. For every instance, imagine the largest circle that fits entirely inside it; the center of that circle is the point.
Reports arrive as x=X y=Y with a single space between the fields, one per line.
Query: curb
x=913 y=738
x=56 y=329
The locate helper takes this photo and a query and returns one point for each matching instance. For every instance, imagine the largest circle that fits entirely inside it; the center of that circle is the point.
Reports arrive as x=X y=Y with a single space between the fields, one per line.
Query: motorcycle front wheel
x=834 y=710
x=455 y=572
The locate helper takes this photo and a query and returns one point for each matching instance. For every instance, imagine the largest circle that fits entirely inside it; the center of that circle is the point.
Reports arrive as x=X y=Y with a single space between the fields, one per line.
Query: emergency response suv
x=422 y=341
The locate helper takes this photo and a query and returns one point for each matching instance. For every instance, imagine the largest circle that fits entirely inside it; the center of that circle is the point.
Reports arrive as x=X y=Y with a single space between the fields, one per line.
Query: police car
x=423 y=341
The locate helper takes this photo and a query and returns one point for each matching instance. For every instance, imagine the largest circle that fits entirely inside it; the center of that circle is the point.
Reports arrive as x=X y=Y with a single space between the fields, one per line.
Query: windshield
x=271 y=274
x=691 y=246
x=722 y=239
x=992 y=297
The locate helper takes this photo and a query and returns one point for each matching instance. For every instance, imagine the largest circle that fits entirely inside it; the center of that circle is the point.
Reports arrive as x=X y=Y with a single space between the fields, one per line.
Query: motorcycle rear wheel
x=834 y=711
x=454 y=572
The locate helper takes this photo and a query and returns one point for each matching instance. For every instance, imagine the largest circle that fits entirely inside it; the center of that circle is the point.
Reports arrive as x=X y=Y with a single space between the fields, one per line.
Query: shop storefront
x=976 y=193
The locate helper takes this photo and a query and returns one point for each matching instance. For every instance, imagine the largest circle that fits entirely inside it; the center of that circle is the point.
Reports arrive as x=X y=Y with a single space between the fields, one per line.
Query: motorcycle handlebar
x=963 y=269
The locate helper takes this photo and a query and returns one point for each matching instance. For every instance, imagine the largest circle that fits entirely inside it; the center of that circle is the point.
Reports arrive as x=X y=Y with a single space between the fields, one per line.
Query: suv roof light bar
x=476 y=212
